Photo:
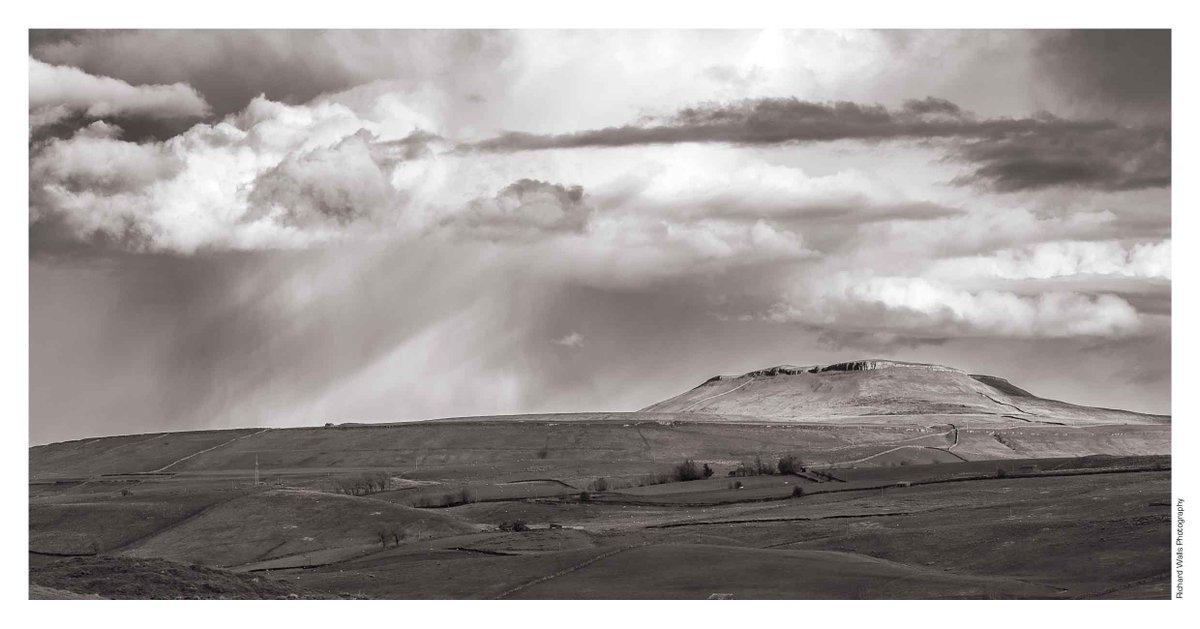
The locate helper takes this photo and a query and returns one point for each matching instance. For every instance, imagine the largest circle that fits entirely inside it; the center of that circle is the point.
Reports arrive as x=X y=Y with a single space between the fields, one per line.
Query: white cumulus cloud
x=58 y=91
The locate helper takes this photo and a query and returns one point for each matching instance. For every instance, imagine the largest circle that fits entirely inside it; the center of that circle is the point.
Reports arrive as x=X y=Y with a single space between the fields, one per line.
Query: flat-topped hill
x=871 y=388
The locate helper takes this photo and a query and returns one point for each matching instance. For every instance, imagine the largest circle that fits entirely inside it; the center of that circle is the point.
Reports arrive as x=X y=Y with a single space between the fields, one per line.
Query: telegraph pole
x=256 y=470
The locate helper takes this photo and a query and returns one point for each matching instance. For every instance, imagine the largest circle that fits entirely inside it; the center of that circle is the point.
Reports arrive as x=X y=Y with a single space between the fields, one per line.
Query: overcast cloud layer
x=273 y=228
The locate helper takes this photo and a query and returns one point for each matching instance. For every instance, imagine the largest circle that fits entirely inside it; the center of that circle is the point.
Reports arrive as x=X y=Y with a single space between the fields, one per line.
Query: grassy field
x=274 y=523
x=486 y=508
x=682 y=571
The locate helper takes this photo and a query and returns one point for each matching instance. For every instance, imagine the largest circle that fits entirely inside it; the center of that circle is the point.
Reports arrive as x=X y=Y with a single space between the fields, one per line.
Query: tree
x=466 y=495
x=762 y=468
x=688 y=470
x=383 y=535
x=396 y=534
x=797 y=491
x=584 y=496
x=788 y=464
x=600 y=484
x=708 y=471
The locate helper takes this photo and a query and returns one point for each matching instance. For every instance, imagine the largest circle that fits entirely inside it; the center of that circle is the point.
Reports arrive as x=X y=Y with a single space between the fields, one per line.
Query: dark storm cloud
x=1116 y=158
x=776 y=121
x=230 y=67
x=1110 y=72
x=1007 y=153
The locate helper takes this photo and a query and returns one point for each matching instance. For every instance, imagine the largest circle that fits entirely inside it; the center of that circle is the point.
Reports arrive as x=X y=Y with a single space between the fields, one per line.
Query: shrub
x=466 y=495
x=707 y=471
x=737 y=484
x=126 y=492
x=1001 y=473
x=519 y=526
x=797 y=491
x=600 y=484
x=584 y=496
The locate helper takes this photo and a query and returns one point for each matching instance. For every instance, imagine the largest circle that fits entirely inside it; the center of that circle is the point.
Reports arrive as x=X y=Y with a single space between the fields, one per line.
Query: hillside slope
x=870 y=388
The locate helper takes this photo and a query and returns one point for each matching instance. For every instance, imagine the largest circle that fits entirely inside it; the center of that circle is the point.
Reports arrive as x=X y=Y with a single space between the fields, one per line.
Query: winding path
x=195 y=454
x=725 y=393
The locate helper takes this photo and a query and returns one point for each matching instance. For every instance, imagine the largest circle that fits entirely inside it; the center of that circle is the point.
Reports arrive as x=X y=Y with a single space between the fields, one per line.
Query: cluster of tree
x=368 y=483
x=654 y=479
x=463 y=496
x=390 y=533
x=688 y=470
x=514 y=525
x=786 y=465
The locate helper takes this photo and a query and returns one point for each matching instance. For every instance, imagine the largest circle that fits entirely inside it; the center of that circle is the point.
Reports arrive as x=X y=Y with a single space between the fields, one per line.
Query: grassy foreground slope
x=124 y=578
x=278 y=523
x=688 y=570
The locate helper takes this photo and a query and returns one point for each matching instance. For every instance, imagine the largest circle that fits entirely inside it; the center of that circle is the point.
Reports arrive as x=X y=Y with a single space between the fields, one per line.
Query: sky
x=284 y=228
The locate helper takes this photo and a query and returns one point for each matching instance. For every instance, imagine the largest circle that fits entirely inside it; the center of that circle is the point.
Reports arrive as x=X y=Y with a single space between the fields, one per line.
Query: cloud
x=525 y=209
x=702 y=182
x=634 y=252
x=1119 y=72
x=572 y=340
x=1005 y=153
x=272 y=176
x=56 y=92
x=232 y=67
x=1150 y=260
x=917 y=306
x=773 y=121
x=336 y=185
x=1116 y=158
